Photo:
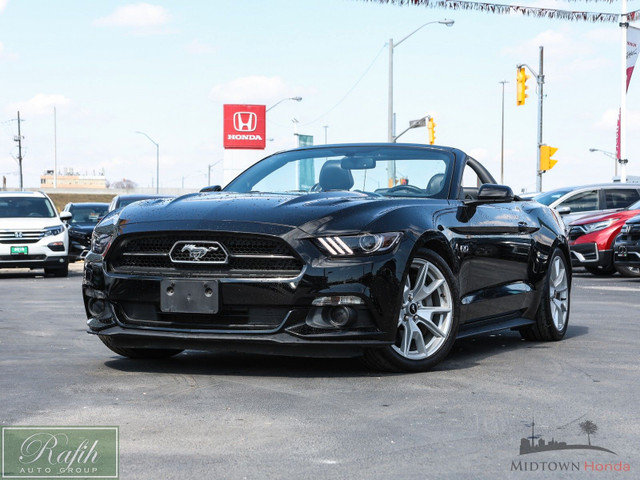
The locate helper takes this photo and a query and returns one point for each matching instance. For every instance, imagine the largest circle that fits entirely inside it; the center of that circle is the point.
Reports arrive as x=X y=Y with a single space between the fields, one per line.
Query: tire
x=58 y=271
x=604 y=271
x=428 y=318
x=627 y=271
x=552 y=317
x=139 y=352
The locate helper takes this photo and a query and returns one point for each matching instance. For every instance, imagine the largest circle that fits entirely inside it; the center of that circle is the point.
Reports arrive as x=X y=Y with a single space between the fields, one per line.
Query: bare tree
x=124 y=184
x=589 y=428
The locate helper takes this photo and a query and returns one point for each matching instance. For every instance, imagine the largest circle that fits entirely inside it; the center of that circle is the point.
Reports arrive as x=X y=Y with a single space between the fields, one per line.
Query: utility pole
x=55 y=149
x=502 y=138
x=540 y=80
x=19 y=140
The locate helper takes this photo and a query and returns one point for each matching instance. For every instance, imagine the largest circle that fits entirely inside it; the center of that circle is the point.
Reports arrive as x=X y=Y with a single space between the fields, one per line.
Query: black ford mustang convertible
x=388 y=251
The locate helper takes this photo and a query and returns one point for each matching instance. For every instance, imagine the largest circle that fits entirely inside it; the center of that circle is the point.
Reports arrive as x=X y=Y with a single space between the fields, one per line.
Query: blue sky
x=112 y=68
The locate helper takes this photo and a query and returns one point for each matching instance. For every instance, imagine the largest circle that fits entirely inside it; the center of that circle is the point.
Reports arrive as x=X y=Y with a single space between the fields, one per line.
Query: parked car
x=591 y=239
x=32 y=234
x=310 y=252
x=85 y=217
x=577 y=202
x=626 y=247
x=123 y=200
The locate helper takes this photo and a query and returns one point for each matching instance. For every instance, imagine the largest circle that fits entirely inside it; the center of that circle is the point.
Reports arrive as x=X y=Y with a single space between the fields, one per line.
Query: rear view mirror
x=358 y=163
x=66 y=216
x=563 y=210
x=211 y=188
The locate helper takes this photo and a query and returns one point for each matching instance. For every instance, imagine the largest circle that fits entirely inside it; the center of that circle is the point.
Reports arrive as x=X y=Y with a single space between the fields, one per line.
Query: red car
x=591 y=240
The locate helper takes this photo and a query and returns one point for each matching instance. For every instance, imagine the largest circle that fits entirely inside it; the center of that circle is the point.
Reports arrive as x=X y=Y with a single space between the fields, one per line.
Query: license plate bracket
x=22 y=250
x=189 y=296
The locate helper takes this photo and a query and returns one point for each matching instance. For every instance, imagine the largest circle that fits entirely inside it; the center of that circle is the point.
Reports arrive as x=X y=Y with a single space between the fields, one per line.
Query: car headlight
x=50 y=231
x=364 y=244
x=104 y=233
x=594 y=227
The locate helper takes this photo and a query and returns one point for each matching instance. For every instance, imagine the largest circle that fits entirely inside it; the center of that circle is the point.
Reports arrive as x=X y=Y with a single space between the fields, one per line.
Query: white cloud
x=41 y=104
x=254 y=89
x=199 y=48
x=139 y=15
x=3 y=4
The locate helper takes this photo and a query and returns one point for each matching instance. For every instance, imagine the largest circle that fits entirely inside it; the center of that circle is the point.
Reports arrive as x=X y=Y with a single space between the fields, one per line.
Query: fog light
x=56 y=246
x=96 y=306
x=341 y=316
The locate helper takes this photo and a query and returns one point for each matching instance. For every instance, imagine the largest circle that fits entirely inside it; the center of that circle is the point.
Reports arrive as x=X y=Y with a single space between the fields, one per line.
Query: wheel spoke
x=431 y=326
x=420 y=280
x=559 y=276
x=428 y=290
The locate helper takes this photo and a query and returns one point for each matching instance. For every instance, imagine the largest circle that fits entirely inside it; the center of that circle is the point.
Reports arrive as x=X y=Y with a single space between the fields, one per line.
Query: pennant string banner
x=523 y=10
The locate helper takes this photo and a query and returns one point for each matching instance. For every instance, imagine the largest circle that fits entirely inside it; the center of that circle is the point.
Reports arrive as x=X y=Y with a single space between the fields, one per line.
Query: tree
x=124 y=184
x=589 y=428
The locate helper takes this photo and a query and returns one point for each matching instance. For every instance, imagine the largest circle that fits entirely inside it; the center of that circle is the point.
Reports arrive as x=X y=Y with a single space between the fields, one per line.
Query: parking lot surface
x=226 y=415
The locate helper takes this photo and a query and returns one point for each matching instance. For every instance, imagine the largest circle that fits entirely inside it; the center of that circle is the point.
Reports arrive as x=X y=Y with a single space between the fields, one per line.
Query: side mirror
x=490 y=192
x=563 y=210
x=211 y=188
x=66 y=216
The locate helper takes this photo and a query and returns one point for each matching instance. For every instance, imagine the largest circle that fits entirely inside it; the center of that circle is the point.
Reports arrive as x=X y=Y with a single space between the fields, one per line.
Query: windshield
x=87 y=214
x=380 y=170
x=19 y=207
x=550 y=197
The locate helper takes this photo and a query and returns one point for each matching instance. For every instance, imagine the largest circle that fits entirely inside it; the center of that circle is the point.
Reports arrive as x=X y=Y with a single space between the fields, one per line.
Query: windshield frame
x=383 y=153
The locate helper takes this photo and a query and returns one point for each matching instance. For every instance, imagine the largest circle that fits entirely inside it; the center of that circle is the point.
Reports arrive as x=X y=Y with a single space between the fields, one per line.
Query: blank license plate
x=189 y=296
x=19 y=250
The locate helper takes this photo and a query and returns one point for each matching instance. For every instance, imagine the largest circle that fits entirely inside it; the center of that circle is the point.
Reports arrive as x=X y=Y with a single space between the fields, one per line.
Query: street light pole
x=157 y=160
x=610 y=155
x=295 y=99
x=392 y=46
x=502 y=138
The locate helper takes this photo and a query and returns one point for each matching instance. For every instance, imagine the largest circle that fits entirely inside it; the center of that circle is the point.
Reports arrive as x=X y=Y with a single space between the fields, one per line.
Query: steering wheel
x=406 y=188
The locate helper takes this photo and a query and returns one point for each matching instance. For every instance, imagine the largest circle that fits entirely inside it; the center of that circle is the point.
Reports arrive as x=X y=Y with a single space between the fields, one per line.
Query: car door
x=493 y=242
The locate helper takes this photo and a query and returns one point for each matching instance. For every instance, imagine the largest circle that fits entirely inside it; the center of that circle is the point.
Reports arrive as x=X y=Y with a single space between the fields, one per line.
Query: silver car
x=573 y=203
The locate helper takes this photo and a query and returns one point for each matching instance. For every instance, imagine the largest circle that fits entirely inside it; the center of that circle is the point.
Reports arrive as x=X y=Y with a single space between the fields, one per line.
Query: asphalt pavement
x=233 y=416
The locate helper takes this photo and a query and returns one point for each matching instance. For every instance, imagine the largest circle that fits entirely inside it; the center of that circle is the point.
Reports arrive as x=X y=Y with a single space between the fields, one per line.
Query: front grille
x=229 y=318
x=21 y=237
x=247 y=255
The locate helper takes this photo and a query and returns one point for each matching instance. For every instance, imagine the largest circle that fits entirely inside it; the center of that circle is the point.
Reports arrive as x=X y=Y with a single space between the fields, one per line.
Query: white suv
x=32 y=234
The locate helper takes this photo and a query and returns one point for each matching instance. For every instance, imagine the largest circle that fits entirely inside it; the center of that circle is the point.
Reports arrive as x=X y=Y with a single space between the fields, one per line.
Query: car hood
x=634 y=220
x=620 y=214
x=34 y=223
x=312 y=213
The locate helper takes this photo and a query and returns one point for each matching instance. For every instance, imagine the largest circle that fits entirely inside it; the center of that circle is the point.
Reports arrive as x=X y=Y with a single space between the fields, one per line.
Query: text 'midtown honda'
x=386 y=251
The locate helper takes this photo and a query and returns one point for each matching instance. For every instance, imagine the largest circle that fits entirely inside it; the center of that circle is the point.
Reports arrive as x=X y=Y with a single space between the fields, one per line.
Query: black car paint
x=80 y=233
x=626 y=247
x=499 y=253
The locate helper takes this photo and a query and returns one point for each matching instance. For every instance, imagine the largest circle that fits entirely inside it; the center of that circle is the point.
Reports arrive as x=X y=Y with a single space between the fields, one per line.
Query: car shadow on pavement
x=469 y=352
x=466 y=353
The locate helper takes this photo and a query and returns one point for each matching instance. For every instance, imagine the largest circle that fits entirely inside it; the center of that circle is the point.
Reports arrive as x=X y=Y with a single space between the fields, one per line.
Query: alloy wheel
x=559 y=293
x=426 y=314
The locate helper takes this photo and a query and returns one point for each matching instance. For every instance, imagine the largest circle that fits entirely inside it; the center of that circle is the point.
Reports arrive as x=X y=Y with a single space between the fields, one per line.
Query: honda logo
x=245 y=121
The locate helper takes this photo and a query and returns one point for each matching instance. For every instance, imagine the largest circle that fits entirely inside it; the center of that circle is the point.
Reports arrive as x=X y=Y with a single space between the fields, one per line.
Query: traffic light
x=546 y=162
x=521 y=88
x=431 y=125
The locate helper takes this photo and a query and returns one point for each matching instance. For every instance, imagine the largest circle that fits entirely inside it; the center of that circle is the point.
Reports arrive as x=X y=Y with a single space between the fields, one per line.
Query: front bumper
x=626 y=249
x=252 y=314
x=588 y=255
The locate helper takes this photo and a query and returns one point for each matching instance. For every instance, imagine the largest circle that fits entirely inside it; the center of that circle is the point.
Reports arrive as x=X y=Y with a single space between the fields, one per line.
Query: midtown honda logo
x=244 y=126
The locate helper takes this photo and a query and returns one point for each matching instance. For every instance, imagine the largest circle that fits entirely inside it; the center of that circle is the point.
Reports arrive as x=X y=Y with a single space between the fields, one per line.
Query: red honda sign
x=245 y=126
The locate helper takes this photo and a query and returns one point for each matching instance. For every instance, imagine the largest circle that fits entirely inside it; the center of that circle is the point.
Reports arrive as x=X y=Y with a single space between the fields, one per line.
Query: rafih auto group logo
x=537 y=444
x=59 y=452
